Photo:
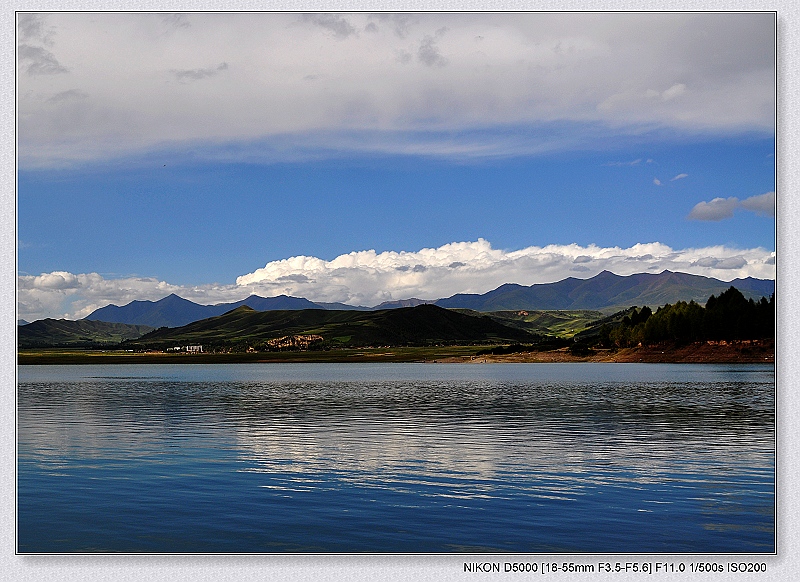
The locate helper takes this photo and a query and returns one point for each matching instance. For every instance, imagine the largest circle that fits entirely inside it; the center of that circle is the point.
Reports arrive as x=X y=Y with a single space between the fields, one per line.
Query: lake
x=396 y=458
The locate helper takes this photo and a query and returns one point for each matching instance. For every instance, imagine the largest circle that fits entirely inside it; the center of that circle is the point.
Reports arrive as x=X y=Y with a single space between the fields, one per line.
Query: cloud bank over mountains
x=283 y=86
x=368 y=277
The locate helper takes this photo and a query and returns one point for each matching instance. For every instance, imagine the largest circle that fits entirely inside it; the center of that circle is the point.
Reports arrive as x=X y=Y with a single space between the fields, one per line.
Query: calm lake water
x=409 y=458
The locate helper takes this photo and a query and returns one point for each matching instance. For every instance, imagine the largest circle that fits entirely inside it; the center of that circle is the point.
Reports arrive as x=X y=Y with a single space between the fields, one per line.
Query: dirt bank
x=743 y=352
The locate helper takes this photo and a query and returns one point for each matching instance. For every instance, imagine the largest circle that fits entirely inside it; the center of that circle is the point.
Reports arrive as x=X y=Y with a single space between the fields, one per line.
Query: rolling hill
x=421 y=325
x=562 y=324
x=81 y=333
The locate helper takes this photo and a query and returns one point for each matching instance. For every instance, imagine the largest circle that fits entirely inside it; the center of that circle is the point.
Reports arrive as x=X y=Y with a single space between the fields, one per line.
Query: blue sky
x=361 y=158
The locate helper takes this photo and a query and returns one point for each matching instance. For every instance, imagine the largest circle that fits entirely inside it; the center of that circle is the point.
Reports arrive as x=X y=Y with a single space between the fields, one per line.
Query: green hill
x=562 y=324
x=422 y=325
x=81 y=333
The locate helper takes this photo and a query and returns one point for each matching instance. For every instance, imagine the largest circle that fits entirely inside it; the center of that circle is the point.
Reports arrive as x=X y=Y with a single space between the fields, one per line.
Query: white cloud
x=368 y=277
x=656 y=181
x=679 y=177
x=715 y=210
x=635 y=162
x=427 y=83
x=763 y=204
x=673 y=92
x=54 y=280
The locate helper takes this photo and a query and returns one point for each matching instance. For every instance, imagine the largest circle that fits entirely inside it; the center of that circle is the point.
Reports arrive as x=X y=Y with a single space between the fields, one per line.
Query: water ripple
x=396 y=458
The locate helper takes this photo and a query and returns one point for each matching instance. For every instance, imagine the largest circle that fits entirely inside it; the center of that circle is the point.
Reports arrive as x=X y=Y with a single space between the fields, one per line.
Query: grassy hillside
x=561 y=324
x=422 y=325
x=66 y=333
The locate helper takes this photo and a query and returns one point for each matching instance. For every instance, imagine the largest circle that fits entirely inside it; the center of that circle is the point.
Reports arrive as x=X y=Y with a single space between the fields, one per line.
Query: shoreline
x=695 y=353
x=733 y=352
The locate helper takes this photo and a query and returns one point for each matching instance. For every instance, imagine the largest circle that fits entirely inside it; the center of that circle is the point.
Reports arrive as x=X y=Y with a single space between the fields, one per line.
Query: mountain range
x=174 y=311
x=605 y=292
x=608 y=292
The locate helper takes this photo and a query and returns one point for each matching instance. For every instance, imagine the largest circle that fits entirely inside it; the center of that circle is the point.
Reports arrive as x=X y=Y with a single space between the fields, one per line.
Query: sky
x=364 y=157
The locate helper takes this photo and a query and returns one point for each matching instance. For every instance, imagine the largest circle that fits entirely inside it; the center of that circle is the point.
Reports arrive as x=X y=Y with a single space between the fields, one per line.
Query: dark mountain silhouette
x=174 y=311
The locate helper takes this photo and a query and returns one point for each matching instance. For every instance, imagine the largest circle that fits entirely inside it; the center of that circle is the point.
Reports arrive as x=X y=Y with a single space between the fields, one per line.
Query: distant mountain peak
x=605 y=274
x=172 y=297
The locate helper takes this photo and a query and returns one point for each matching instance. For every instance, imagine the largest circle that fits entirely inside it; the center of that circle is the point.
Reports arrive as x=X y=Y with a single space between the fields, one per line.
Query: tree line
x=727 y=317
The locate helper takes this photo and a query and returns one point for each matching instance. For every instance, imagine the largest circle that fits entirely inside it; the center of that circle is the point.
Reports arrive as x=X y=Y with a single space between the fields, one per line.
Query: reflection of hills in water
x=470 y=436
x=486 y=432
x=396 y=458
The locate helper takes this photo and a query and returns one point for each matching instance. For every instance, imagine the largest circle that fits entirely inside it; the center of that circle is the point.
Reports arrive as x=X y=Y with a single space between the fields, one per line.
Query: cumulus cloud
x=736 y=262
x=722 y=208
x=585 y=77
x=763 y=204
x=369 y=278
x=715 y=210
x=65 y=295
x=54 y=280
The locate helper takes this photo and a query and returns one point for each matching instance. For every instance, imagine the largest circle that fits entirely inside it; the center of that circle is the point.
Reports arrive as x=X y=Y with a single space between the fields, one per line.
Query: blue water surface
x=396 y=458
